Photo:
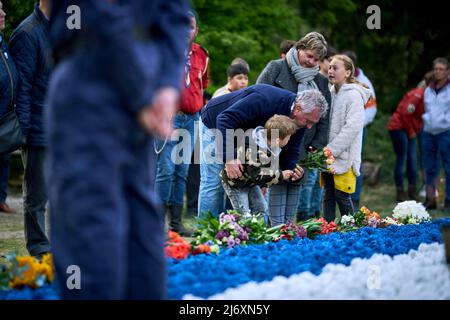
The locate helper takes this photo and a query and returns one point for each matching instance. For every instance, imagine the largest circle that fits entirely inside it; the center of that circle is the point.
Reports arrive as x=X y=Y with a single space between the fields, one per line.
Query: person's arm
x=206 y=73
x=353 y=126
x=24 y=53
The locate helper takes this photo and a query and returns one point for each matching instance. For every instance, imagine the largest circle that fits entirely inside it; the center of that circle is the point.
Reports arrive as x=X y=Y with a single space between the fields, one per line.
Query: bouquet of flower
x=176 y=247
x=319 y=160
x=316 y=227
x=26 y=271
x=388 y=221
x=347 y=223
x=411 y=212
x=366 y=218
x=231 y=229
x=286 y=231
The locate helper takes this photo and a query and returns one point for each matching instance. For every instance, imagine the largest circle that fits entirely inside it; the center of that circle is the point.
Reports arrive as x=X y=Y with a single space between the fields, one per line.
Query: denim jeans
x=310 y=197
x=245 y=200
x=283 y=203
x=4 y=176
x=34 y=200
x=405 y=150
x=211 y=193
x=333 y=196
x=435 y=147
x=356 y=196
x=173 y=160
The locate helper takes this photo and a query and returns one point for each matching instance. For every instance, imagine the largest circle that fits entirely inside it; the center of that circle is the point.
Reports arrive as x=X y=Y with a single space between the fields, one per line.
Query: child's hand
x=287 y=174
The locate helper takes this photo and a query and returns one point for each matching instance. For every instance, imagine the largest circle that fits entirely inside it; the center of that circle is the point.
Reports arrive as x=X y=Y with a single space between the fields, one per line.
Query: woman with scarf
x=299 y=71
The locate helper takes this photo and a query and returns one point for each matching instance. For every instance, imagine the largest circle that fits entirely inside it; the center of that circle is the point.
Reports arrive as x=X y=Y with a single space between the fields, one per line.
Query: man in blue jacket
x=30 y=48
x=246 y=109
x=116 y=81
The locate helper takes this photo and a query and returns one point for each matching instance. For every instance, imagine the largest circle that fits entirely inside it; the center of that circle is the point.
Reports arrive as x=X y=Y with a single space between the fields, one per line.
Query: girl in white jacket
x=345 y=136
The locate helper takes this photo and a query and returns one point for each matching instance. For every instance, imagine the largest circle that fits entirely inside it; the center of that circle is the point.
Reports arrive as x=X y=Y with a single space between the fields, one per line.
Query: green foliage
x=251 y=29
x=16 y=11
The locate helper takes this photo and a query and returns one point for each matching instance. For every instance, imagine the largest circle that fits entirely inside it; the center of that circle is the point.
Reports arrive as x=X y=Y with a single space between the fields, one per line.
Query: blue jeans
x=4 y=176
x=359 y=179
x=211 y=193
x=173 y=160
x=310 y=194
x=435 y=147
x=405 y=150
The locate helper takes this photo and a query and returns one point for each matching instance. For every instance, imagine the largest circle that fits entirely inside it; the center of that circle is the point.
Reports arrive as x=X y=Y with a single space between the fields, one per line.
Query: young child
x=237 y=79
x=259 y=170
x=345 y=136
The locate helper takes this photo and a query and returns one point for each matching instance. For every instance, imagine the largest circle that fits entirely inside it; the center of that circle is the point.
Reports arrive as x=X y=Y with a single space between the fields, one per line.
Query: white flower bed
x=420 y=274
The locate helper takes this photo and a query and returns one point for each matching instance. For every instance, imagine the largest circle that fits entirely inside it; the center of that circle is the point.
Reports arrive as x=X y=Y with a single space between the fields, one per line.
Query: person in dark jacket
x=247 y=109
x=114 y=87
x=8 y=85
x=30 y=48
x=297 y=72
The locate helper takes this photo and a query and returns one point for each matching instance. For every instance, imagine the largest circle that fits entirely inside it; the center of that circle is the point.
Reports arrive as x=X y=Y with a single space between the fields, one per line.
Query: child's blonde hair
x=285 y=126
x=349 y=66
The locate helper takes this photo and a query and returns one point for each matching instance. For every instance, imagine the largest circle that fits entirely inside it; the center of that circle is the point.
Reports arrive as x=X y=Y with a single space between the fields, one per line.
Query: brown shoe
x=5 y=208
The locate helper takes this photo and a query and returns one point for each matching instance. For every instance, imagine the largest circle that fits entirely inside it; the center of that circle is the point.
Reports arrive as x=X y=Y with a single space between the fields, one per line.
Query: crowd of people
x=111 y=132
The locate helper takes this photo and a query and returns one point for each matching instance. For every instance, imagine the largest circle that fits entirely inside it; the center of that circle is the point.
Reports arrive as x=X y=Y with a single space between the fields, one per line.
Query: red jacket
x=408 y=115
x=197 y=80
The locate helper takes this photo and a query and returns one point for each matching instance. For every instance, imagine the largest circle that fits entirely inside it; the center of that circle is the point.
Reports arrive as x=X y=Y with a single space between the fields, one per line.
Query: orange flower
x=178 y=251
x=365 y=211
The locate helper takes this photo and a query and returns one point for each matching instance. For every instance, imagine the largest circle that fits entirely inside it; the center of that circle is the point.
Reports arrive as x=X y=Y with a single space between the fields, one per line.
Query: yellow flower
x=33 y=269
x=330 y=161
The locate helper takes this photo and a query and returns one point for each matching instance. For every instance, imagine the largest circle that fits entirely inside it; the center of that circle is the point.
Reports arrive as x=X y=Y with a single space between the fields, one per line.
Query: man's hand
x=157 y=117
x=297 y=173
x=234 y=169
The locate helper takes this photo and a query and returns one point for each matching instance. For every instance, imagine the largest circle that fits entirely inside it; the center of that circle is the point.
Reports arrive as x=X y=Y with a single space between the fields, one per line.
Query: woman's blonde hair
x=313 y=41
x=349 y=66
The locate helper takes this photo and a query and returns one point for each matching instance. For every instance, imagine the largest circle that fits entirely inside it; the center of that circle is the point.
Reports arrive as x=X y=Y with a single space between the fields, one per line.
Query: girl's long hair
x=349 y=66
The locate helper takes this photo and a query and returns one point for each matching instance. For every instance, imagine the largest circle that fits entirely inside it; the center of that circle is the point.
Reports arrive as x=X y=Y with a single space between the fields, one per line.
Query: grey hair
x=309 y=100
x=313 y=41
x=441 y=61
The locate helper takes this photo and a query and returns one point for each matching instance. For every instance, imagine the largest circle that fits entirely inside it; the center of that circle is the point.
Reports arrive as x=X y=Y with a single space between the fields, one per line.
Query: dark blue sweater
x=251 y=107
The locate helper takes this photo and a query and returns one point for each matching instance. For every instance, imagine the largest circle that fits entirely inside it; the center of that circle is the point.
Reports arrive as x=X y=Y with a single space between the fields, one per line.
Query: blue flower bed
x=205 y=275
